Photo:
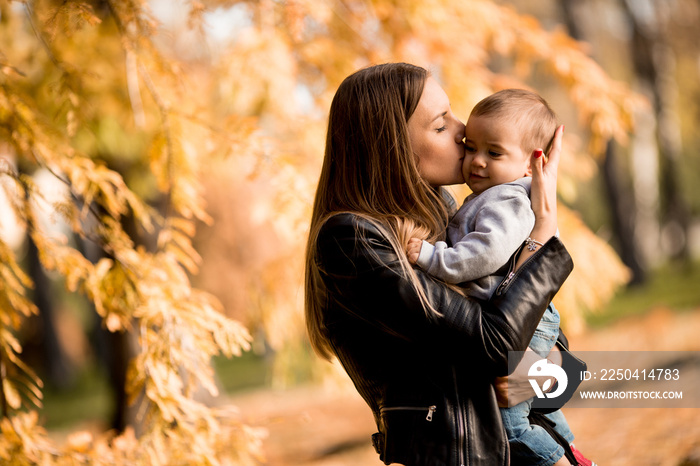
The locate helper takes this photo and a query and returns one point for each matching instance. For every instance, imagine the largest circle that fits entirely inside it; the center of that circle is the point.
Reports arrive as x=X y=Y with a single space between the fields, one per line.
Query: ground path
x=315 y=426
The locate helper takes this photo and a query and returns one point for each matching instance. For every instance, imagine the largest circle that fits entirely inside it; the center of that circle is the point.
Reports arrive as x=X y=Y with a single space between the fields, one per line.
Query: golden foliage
x=146 y=290
x=597 y=275
x=25 y=442
x=127 y=115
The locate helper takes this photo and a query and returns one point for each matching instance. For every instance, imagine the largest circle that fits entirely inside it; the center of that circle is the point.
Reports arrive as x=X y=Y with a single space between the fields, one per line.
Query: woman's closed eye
x=441 y=129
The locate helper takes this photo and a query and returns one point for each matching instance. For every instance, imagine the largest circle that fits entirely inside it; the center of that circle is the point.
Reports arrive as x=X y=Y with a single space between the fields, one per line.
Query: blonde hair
x=527 y=110
x=369 y=169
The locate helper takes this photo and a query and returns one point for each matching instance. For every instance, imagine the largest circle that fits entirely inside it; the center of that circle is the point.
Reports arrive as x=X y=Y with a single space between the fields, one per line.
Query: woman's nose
x=459 y=132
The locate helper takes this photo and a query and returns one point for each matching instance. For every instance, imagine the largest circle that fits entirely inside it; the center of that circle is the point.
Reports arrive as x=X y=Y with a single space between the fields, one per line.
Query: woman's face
x=436 y=137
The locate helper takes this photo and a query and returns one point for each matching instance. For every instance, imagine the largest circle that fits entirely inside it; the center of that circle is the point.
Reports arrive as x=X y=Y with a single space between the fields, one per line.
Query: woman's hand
x=413 y=249
x=544 y=188
x=516 y=387
x=543 y=195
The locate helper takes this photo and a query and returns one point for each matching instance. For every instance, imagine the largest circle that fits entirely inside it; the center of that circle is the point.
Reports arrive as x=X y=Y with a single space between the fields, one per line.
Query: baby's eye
x=470 y=149
x=494 y=154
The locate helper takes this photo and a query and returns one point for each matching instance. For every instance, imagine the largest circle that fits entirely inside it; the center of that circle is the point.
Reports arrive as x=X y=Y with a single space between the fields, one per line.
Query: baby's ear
x=528 y=167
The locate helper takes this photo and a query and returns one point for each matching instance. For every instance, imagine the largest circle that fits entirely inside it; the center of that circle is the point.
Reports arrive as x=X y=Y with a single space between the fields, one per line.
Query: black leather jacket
x=427 y=377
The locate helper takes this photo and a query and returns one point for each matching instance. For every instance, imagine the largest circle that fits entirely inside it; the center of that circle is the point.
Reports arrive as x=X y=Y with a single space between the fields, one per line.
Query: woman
x=423 y=356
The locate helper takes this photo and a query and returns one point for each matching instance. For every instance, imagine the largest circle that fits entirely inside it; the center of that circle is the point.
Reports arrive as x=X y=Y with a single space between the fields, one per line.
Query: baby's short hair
x=527 y=110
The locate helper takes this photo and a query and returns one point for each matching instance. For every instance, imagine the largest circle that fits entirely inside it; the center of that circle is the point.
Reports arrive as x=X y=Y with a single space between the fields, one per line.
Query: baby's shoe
x=582 y=460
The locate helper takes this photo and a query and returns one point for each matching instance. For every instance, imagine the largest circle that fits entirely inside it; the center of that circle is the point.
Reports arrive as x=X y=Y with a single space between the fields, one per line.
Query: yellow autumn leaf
x=80 y=442
x=11 y=394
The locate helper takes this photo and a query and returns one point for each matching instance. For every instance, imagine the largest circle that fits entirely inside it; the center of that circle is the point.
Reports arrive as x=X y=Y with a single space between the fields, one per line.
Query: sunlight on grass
x=242 y=373
x=90 y=399
x=673 y=287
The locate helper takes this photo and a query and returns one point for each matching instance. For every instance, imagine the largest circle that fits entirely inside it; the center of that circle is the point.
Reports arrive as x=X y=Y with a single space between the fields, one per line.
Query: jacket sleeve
x=363 y=277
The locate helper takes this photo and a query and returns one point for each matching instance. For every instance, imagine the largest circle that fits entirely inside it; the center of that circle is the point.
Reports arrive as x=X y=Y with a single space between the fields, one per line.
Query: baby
x=494 y=221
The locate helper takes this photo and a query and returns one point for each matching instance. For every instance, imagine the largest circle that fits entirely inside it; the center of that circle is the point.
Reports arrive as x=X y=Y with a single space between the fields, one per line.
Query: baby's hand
x=413 y=249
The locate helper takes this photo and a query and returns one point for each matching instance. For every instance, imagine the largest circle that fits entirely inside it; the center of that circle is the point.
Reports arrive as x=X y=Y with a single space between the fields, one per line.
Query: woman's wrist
x=541 y=233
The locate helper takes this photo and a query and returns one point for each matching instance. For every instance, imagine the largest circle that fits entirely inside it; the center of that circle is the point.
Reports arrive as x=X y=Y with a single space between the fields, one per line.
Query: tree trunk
x=654 y=62
x=59 y=370
x=624 y=221
x=621 y=201
x=112 y=349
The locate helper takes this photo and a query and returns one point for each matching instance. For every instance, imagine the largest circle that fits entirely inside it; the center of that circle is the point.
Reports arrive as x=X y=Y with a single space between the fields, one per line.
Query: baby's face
x=493 y=153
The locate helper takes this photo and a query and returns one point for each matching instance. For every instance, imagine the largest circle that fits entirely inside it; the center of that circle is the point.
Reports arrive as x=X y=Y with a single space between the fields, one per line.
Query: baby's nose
x=478 y=161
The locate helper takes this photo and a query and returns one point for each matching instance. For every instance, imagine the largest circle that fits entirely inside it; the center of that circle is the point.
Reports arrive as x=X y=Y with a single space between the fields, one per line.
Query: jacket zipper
x=431 y=409
x=511 y=275
x=504 y=284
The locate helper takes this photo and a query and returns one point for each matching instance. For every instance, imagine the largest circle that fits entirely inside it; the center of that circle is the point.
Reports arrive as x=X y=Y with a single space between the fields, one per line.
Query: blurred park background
x=158 y=160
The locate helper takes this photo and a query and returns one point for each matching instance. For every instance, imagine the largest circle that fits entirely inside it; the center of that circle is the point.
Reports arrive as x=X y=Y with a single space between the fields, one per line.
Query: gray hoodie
x=484 y=234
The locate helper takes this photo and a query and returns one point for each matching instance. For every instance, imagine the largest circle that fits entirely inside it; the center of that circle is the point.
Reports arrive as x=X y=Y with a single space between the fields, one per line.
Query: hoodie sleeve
x=493 y=233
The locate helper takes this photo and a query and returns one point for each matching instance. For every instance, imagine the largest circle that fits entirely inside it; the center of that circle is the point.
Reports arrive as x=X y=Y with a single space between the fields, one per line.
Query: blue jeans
x=532 y=444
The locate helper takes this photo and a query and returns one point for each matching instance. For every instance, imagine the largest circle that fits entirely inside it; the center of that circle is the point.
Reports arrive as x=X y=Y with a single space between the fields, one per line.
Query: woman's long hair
x=369 y=169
